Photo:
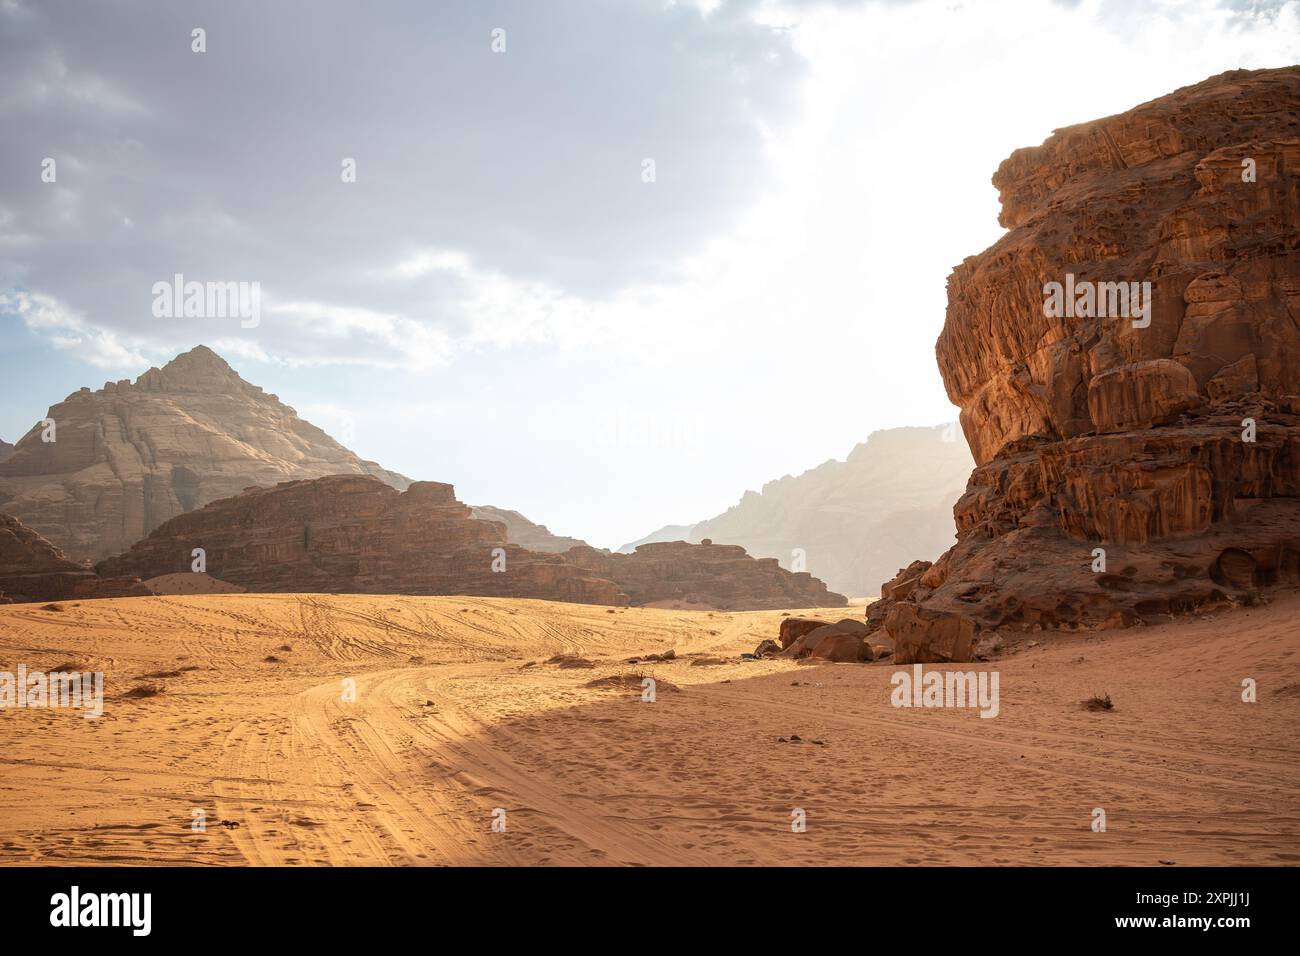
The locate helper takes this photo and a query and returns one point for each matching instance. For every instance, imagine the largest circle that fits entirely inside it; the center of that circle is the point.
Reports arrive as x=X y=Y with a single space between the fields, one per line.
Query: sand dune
x=457 y=713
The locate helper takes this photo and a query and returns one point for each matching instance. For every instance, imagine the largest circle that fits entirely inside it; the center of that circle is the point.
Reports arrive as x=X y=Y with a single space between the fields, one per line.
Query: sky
x=610 y=264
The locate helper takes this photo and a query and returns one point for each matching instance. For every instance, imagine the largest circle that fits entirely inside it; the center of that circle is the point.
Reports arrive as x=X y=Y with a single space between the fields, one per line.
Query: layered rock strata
x=33 y=569
x=1134 y=459
x=357 y=534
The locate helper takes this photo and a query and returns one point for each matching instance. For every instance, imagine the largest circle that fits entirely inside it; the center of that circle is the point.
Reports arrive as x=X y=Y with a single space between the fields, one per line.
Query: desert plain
x=328 y=729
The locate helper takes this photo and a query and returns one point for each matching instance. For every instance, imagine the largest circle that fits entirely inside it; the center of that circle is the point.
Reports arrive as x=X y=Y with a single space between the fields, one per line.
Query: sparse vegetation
x=1099 y=702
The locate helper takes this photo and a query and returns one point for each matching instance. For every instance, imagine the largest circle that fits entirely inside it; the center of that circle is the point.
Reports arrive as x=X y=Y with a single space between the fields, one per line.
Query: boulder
x=925 y=636
x=901 y=586
x=793 y=628
x=841 y=648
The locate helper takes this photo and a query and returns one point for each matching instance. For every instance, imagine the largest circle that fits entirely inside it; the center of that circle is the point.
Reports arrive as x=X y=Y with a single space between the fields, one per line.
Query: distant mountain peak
x=134 y=454
x=198 y=370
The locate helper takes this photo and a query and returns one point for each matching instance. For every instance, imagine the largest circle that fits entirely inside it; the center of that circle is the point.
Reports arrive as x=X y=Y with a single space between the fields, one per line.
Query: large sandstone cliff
x=130 y=456
x=1128 y=470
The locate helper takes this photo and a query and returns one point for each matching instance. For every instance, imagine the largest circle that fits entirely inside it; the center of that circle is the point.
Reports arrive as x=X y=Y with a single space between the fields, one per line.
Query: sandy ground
x=457 y=714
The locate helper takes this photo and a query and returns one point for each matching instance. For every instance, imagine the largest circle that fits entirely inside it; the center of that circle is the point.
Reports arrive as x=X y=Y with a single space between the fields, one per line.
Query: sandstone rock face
x=1140 y=395
x=854 y=521
x=1129 y=470
x=706 y=575
x=526 y=534
x=357 y=534
x=33 y=569
x=1155 y=194
x=133 y=455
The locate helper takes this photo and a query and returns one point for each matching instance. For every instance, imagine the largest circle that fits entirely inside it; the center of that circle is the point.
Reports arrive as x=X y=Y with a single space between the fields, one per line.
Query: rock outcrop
x=854 y=521
x=33 y=569
x=1135 y=465
x=704 y=575
x=525 y=533
x=6 y=449
x=357 y=534
x=132 y=455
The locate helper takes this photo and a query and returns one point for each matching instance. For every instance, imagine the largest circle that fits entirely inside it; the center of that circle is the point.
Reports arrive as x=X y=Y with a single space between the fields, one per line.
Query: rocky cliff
x=704 y=575
x=6 y=449
x=357 y=534
x=130 y=456
x=33 y=569
x=854 y=522
x=1127 y=363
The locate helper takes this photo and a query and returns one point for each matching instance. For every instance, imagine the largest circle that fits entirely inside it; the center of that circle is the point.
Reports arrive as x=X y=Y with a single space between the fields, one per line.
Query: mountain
x=857 y=521
x=526 y=534
x=131 y=455
x=6 y=449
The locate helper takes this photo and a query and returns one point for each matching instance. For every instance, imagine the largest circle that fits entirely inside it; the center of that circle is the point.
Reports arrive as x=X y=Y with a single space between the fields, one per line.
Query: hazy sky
x=501 y=300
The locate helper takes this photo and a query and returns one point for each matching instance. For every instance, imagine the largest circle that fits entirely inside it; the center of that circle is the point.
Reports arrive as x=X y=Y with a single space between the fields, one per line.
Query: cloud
x=68 y=331
x=226 y=165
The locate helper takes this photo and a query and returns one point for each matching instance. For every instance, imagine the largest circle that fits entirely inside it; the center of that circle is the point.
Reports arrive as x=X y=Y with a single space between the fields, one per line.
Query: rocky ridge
x=356 y=534
x=1136 y=466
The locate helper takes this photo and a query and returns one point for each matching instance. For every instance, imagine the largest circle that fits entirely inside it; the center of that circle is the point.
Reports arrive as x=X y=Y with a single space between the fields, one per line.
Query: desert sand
x=460 y=710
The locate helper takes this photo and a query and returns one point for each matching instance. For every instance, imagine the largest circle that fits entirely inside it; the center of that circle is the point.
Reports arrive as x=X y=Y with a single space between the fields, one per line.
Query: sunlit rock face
x=1137 y=443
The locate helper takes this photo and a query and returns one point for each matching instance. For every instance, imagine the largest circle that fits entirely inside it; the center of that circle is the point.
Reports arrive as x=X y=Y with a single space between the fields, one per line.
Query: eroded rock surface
x=357 y=534
x=1128 y=470
x=33 y=569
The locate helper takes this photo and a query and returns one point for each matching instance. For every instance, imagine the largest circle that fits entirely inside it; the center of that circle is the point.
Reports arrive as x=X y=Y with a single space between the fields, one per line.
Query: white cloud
x=70 y=332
